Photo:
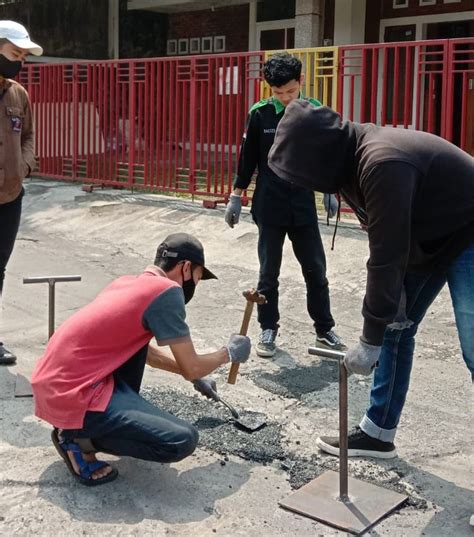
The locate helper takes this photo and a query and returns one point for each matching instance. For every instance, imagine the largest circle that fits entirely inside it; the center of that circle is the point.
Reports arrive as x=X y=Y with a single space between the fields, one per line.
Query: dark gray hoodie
x=414 y=191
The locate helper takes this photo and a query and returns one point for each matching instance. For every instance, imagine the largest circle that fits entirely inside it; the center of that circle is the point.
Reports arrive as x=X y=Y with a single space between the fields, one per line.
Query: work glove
x=238 y=348
x=233 y=210
x=362 y=358
x=206 y=387
x=330 y=204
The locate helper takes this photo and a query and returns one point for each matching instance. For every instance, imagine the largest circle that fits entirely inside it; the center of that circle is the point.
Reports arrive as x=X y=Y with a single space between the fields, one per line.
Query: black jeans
x=133 y=427
x=10 y=214
x=309 y=251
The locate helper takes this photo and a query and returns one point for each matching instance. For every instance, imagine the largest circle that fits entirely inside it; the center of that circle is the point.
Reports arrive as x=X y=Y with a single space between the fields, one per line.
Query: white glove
x=330 y=204
x=362 y=358
x=233 y=209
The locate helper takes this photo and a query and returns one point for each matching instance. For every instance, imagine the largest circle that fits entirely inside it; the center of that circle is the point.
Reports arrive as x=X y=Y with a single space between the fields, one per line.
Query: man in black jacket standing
x=281 y=209
x=414 y=193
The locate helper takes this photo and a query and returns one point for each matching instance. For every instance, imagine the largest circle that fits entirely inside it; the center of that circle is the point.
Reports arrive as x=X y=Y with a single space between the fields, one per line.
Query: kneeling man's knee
x=187 y=442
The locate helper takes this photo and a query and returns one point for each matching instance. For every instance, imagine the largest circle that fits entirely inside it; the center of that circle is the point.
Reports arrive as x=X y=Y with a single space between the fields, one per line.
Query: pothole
x=217 y=431
x=219 y=434
x=297 y=381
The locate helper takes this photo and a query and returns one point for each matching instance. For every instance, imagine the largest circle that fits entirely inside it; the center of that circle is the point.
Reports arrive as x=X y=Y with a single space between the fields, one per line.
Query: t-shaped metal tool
x=22 y=384
x=328 y=498
x=252 y=296
x=52 y=281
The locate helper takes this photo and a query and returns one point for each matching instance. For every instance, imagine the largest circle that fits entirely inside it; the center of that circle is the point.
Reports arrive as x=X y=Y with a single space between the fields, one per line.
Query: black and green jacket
x=275 y=202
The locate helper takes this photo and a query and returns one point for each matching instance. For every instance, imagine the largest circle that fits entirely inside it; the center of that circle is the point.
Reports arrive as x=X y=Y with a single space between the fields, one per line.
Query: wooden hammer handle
x=234 y=368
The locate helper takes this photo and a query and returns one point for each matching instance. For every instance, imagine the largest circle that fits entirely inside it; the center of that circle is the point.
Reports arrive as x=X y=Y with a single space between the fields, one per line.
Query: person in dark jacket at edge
x=414 y=194
x=281 y=209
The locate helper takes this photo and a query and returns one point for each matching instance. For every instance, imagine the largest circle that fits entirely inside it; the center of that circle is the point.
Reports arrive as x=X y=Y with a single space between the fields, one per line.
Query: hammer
x=252 y=296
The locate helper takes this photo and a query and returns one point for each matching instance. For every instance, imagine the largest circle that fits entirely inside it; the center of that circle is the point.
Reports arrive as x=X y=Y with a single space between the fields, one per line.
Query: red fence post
x=131 y=123
x=75 y=120
x=192 y=127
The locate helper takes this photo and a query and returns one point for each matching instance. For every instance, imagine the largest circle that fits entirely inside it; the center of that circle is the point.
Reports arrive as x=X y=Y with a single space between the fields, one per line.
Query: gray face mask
x=8 y=68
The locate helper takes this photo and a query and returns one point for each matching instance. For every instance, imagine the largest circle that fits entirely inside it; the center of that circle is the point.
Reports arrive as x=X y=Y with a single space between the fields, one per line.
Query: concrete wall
x=414 y=9
x=79 y=28
x=231 y=22
x=142 y=34
x=309 y=22
x=349 y=21
x=69 y=28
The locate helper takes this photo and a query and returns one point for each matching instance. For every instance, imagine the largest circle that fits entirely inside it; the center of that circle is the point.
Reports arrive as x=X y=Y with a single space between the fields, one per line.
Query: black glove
x=206 y=387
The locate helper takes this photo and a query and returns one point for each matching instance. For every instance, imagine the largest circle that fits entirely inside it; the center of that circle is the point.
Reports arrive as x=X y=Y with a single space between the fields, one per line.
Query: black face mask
x=189 y=286
x=9 y=69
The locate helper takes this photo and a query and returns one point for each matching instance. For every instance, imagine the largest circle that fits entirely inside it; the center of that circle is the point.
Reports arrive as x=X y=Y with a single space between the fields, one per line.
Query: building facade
x=153 y=28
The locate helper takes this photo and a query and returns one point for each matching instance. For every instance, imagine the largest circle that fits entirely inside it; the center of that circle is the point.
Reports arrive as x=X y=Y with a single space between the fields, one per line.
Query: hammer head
x=252 y=295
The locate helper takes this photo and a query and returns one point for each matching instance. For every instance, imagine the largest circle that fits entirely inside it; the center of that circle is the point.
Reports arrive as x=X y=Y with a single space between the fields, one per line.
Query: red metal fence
x=175 y=124
x=164 y=124
x=426 y=85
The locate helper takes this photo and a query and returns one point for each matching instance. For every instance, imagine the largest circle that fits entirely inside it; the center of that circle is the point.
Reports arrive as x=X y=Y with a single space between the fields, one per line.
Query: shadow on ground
x=18 y=427
x=145 y=491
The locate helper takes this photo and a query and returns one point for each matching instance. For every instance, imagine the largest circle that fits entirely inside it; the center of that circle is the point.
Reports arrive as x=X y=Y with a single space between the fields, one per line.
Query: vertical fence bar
x=75 y=119
x=192 y=126
x=131 y=122
x=395 y=87
x=407 y=88
x=444 y=89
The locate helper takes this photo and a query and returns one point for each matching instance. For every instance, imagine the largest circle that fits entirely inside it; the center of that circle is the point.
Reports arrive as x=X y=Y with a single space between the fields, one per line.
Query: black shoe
x=330 y=340
x=6 y=357
x=360 y=444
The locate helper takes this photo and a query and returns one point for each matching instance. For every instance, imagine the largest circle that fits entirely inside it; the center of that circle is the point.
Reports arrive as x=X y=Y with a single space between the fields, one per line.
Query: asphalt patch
x=218 y=433
x=297 y=381
x=216 y=427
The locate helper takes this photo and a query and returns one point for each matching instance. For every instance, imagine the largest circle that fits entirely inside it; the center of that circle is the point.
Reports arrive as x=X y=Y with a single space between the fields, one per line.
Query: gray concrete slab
x=228 y=487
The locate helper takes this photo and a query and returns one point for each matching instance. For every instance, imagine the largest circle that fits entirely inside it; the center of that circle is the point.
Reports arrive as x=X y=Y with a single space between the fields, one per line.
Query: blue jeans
x=131 y=426
x=392 y=376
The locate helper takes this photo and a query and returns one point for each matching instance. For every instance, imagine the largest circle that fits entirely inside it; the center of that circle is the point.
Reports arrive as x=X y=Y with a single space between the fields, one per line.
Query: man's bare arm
x=185 y=361
x=161 y=359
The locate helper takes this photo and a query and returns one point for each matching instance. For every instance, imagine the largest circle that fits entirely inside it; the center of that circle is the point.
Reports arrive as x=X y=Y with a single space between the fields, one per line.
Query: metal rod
x=51 y=308
x=327 y=353
x=343 y=467
x=47 y=279
x=234 y=412
x=343 y=404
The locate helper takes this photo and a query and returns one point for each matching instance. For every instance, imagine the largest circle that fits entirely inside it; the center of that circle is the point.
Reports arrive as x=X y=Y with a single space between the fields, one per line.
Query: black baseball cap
x=185 y=247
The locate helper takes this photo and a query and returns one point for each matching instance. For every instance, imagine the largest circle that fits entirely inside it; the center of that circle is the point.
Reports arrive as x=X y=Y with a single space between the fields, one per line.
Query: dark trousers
x=309 y=252
x=10 y=214
x=133 y=427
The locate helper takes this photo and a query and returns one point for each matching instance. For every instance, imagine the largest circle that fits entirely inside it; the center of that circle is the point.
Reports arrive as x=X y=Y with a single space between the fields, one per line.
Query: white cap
x=17 y=34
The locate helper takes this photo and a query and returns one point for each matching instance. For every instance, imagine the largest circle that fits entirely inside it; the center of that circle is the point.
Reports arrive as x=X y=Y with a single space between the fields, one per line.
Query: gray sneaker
x=266 y=346
x=330 y=340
